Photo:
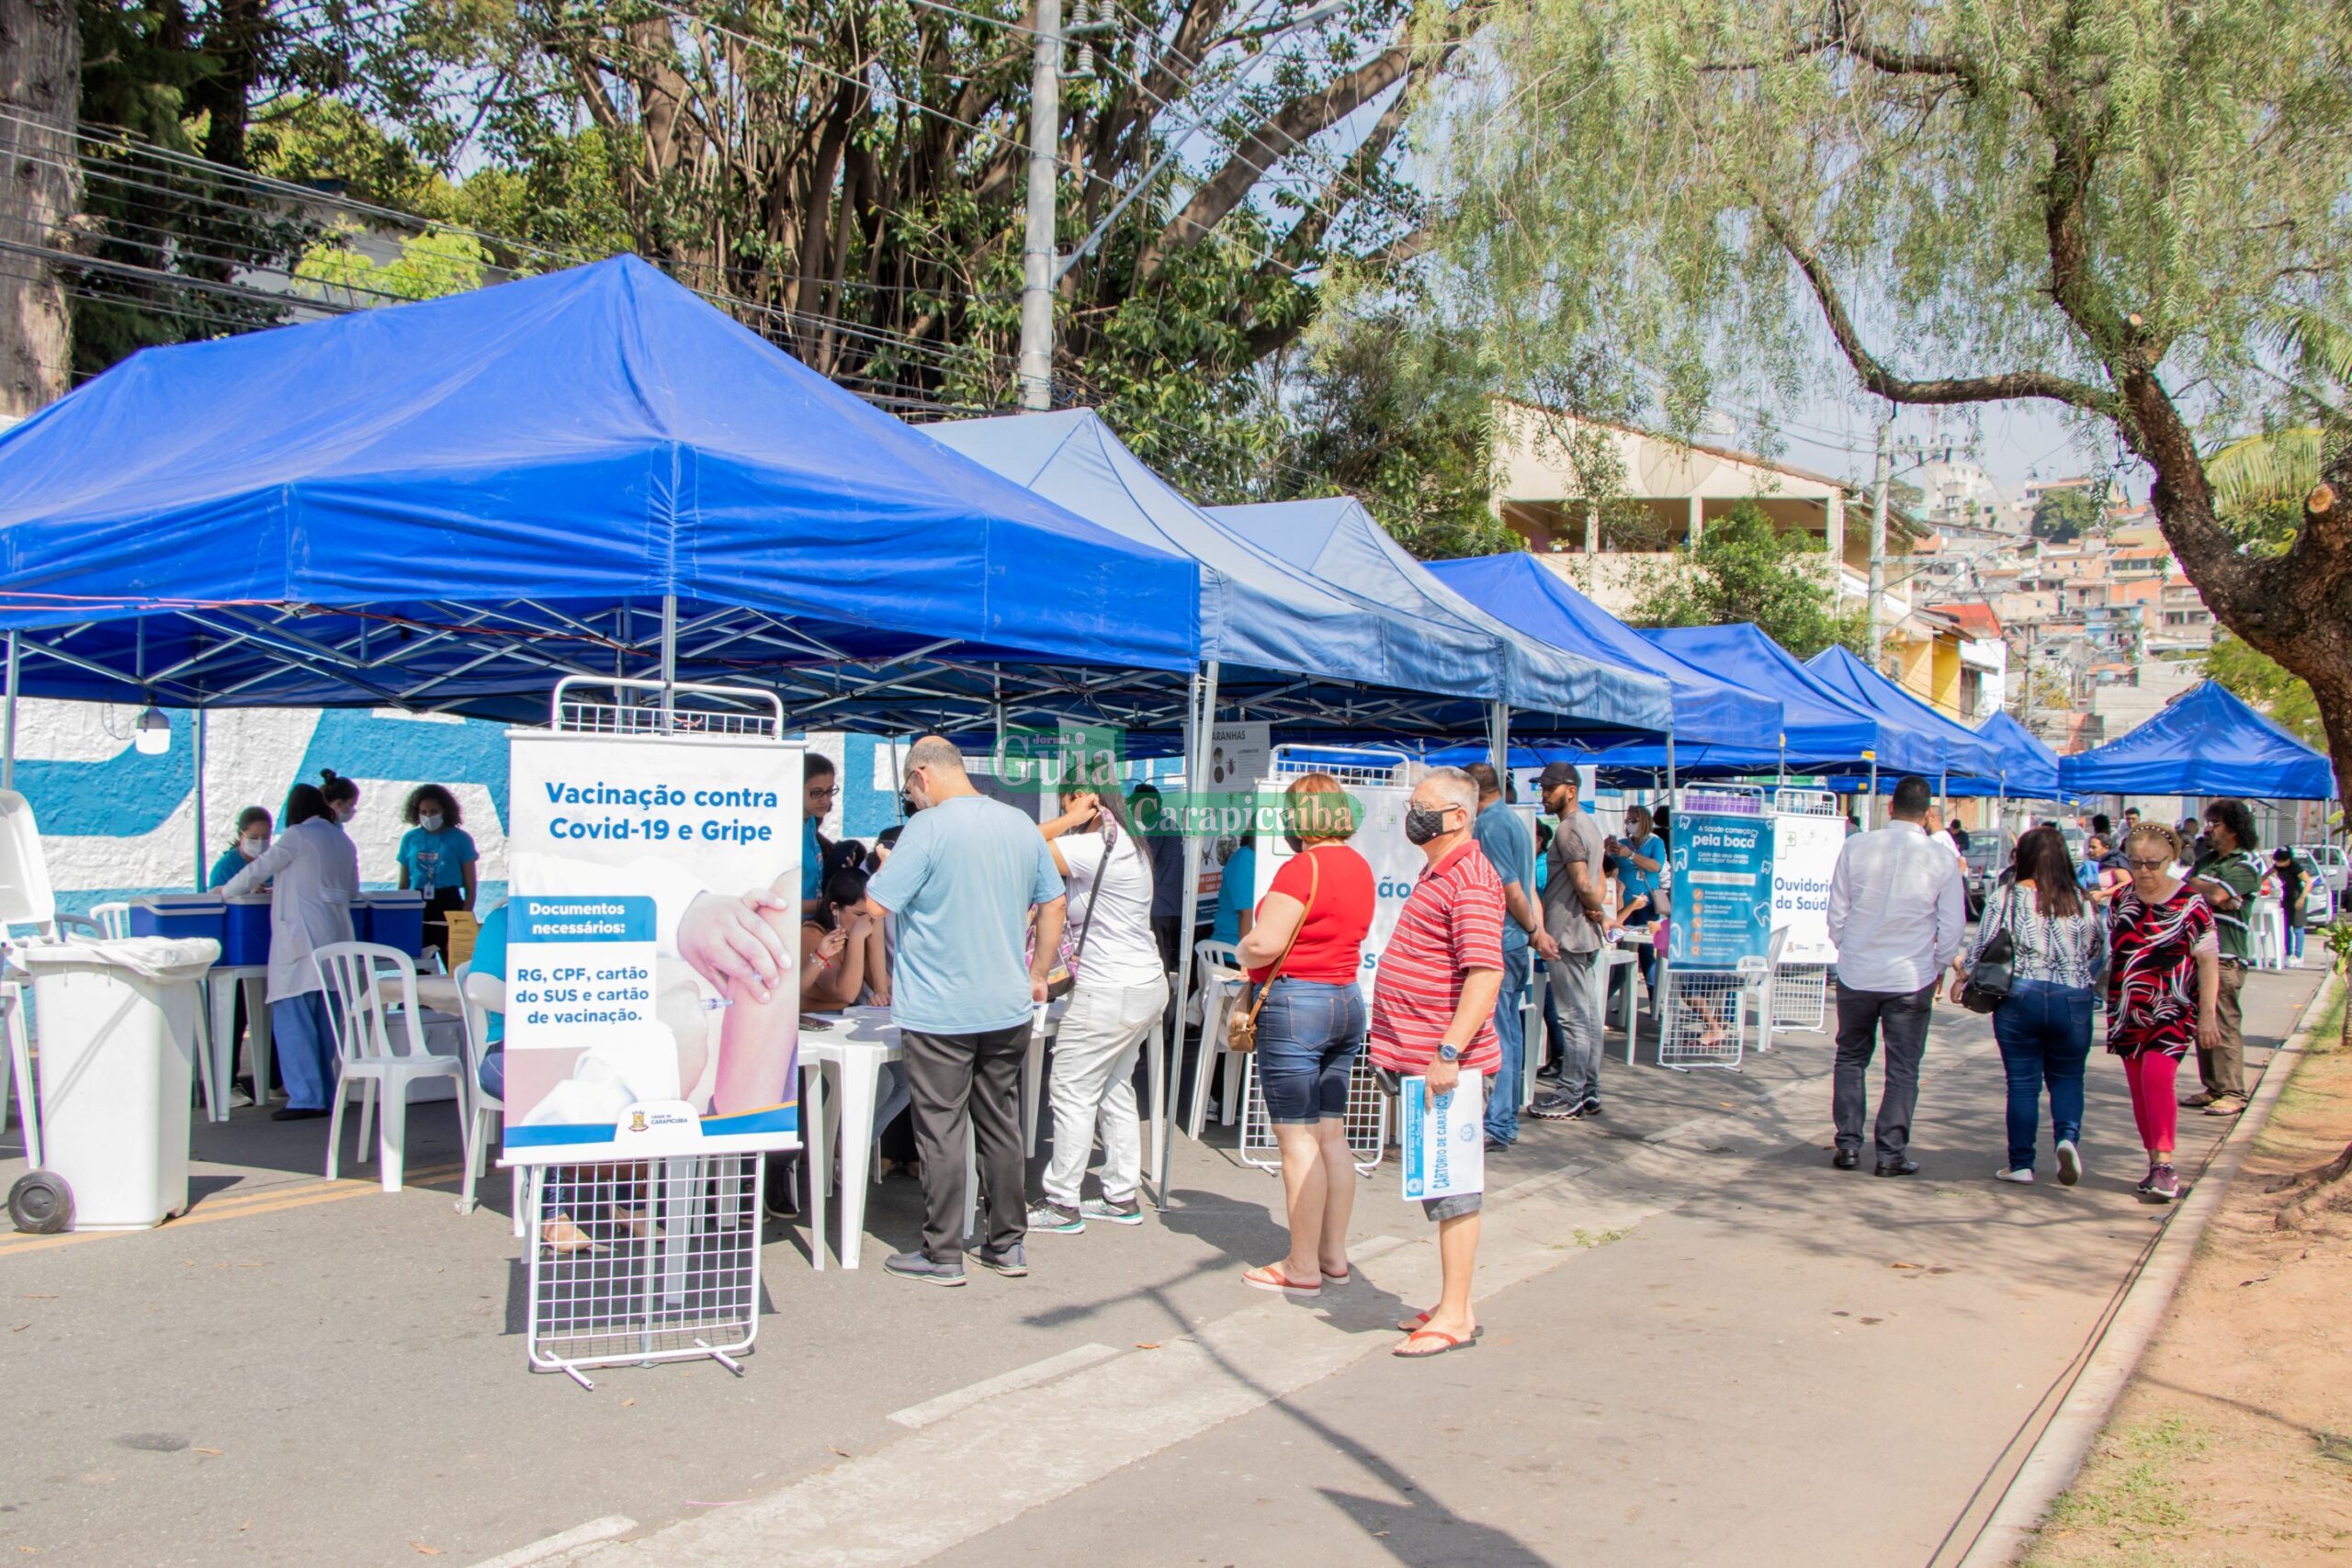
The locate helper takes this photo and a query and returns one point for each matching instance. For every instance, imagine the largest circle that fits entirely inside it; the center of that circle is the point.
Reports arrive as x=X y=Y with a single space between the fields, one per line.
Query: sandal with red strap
x=1453 y=1342
x=1272 y=1278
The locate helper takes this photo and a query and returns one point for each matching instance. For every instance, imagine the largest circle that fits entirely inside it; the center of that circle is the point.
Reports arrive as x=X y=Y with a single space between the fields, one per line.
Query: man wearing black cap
x=1570 y=943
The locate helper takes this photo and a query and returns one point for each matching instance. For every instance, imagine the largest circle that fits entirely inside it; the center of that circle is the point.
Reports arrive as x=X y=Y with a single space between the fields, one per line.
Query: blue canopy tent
x=1709 y=713
x=2029 y=767
x=1320 y=658
x=453 y=505
x=1913 y=738
x=1342 y=544
x=2204 y=742
x=1819 y=726
x=450 y=506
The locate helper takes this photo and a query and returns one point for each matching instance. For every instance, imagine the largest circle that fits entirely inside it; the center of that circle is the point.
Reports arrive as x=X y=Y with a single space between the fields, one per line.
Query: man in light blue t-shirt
x=965 y=873
x=1508 y=841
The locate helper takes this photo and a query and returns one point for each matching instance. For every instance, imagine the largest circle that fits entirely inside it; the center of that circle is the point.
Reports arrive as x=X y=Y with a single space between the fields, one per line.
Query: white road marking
x=1036 y=1372
x=565 y=1547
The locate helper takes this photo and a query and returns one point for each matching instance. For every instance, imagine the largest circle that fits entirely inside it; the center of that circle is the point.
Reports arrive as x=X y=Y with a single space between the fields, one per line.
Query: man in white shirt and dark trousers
x=1897 y=911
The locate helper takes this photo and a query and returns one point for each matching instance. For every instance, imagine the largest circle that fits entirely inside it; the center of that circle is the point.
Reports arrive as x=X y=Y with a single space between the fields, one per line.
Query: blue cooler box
x=247 y=937
x=392 y=919
x=182 y=915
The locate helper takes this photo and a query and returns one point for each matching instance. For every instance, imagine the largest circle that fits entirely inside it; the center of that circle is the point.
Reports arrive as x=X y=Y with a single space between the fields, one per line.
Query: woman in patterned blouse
x=2045 y=1026
x=2163 y=984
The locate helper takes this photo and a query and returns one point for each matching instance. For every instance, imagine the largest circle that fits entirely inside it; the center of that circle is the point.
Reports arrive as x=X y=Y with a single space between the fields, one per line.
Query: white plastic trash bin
x=117 y=1025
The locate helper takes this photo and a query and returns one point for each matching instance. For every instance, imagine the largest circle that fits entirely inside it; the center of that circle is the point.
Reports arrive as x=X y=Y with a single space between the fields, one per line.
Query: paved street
x=1702 y=1346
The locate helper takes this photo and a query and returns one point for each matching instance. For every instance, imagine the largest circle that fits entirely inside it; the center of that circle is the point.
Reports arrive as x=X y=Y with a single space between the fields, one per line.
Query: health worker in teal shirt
x=819 y=789
x=253 y=838
x=438 y=860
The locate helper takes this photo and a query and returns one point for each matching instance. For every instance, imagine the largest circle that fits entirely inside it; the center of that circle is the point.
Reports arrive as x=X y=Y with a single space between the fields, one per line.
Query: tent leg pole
x=197 y=744
x=1673 y=792
x=1498 y=738
x=669 y=661
x=8 y=729
x=1870 y=818
x=1200 y=717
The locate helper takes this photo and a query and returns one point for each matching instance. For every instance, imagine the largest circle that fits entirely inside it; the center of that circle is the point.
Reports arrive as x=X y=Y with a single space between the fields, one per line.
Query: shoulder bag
x=1063 y=980
x=1241 y=1023
x=1988 y=984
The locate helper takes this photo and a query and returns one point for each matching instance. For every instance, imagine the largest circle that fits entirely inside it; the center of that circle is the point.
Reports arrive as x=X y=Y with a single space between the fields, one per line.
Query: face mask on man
x=430 y=821
x=252 y=848
x=1423 y=823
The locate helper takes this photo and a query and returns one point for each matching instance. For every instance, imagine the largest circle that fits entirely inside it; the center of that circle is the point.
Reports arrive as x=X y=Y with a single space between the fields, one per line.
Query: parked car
x=2329 y=860
x=1987 y=856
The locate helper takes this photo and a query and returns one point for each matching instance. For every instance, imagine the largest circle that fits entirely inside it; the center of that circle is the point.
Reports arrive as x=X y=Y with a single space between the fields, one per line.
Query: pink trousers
x=2149 y=1076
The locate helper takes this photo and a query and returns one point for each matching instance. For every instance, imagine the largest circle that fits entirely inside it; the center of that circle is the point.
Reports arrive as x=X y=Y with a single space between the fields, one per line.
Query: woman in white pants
x=1119 y=994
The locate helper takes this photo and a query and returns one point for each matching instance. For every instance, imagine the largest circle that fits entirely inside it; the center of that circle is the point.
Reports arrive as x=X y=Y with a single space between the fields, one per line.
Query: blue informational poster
x=1723 y=889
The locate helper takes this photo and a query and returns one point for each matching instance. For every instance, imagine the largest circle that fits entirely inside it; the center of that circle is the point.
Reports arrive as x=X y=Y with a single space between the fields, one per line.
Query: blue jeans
x=2044 y=1032
x=1510 y=1030
x=1309 y=1035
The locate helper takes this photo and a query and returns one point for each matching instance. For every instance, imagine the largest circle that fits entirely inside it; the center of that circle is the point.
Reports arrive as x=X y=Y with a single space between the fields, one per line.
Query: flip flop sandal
x=1269 y=1278
x=1414 y=1324
x=1407 y=1352
x=1340 y=1279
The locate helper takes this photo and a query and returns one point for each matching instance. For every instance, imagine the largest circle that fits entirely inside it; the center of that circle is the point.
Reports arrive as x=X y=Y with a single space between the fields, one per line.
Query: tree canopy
x=848 y=179
x=2065 y=514
x=2123 y=211
x=1746 y=570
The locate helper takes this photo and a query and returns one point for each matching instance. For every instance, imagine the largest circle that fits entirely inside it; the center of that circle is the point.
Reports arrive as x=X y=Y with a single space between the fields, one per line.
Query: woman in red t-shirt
x=1306 y=948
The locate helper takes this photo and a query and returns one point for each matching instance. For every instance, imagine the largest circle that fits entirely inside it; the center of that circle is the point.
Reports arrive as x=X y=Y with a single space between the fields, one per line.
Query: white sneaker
x=2023 y=1178
x=2070 y=1163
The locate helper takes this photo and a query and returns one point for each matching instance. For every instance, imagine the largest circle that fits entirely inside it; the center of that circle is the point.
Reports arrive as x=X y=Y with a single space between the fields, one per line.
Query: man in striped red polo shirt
x=1432 y=1013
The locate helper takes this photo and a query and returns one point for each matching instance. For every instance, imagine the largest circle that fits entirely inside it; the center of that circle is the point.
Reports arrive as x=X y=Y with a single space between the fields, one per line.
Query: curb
x=2057 y=1455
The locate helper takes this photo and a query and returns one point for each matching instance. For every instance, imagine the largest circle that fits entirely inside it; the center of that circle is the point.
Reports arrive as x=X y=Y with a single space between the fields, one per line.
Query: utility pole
x=1879 y=476
x=1038 y=246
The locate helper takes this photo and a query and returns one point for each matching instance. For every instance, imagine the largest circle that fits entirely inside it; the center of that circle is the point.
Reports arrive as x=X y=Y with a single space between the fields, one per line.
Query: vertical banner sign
x=1723 y=890
x=1239 y=755
x=648 y=873
x=1805 y=853
x=1443 y=1140
x=1396 y=863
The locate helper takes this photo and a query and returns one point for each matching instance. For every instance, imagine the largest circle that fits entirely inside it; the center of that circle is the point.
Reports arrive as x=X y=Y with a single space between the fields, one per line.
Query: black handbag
x=1988 y=984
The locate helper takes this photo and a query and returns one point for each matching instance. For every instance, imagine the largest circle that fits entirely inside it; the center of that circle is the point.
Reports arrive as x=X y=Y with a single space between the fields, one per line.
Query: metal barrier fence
x=1367 y=1118
x=652 y=1261
x=1801 y=997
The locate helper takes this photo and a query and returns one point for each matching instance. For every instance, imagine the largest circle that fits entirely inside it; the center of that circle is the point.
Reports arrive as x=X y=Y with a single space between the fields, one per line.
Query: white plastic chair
x=355 y=975
x=1756 y=981
x=483 y=995
x=2267 y=923
x=1218 y=965
x=113 y=920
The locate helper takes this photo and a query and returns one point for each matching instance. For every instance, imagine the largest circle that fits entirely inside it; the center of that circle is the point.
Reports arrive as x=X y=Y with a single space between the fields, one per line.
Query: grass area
x=2128 y=1495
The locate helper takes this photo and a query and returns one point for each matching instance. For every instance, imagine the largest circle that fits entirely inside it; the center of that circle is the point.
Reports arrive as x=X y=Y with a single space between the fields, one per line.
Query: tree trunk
x=40 y=190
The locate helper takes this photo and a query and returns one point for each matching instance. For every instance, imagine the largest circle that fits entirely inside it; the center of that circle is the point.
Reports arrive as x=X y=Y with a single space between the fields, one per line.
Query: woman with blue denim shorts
x=1305 y=949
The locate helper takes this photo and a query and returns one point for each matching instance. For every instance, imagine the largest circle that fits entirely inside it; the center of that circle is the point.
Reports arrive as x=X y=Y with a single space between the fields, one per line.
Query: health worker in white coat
x=313 y=874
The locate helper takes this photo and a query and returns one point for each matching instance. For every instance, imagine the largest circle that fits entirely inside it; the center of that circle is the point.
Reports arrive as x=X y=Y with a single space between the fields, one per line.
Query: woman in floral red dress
x=2163 y=990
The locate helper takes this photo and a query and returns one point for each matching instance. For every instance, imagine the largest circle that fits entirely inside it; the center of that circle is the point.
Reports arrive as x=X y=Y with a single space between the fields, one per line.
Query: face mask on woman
x=345 y=810
x=252 y=847
x=430 y=821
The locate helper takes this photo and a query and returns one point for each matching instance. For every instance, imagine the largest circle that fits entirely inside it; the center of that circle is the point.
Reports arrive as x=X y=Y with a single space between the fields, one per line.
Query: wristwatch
x=1449 y=1053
